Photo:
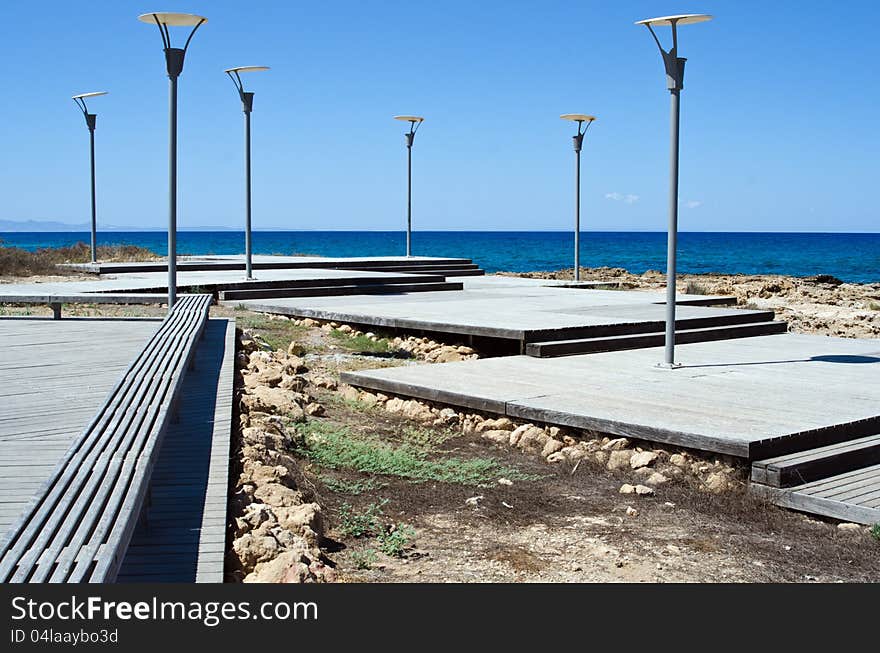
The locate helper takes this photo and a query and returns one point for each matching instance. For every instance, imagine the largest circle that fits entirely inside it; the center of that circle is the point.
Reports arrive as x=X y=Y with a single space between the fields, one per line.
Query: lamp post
x=174 y=58
x=674 y=66
x=247 y=104
x=91 y=119
x=414 y=122
x=578 y=140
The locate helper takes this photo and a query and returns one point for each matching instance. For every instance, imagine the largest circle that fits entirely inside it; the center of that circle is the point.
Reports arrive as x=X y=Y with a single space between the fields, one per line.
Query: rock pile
x=277 y=528
x=652 y=467
x=420 y=348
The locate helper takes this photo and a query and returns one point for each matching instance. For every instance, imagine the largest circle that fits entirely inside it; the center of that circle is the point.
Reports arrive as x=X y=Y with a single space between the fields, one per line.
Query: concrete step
x=814 y=464
x=656 y=339
x=719 y=318
x=334 y=291
x=468 y=270
x=320 y=282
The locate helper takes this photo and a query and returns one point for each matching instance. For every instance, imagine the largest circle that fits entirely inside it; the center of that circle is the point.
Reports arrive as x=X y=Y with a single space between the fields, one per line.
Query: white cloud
x=693 y=204
x=619 y=197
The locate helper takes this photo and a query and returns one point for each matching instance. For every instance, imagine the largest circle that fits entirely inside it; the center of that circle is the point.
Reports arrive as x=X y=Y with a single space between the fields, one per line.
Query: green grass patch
x=360 y=523
x=364 y=559
x=361 y=344
x=344 y=486
x=425 y=439
x=394 y=541
x=278 y=334
x=875 y=532
x=339 y=448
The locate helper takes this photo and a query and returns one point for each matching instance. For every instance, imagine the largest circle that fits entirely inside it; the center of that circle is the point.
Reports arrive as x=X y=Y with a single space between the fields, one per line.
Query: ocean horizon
x=853 y=257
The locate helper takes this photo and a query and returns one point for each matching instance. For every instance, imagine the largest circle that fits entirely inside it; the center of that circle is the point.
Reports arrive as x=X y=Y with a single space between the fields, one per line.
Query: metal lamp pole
x=414 y=122
x=247 y=103
x=578 y=140
x=174 y=58
x=91 y=120
x=674 y=66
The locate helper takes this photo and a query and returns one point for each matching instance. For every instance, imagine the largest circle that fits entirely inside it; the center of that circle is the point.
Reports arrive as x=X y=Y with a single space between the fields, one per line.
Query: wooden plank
x=187 y=512
x=157 y=368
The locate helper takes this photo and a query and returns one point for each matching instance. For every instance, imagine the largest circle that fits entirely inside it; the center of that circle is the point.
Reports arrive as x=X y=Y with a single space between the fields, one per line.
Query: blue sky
x=779 y=126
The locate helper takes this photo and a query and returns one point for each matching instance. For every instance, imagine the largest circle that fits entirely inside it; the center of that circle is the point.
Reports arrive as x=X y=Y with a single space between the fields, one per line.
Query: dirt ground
x=571 y=525
x=550 y=523
x=567 y=523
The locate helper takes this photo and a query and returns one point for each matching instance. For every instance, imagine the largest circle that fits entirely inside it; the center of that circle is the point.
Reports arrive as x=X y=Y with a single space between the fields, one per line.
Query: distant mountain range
x=49 y=225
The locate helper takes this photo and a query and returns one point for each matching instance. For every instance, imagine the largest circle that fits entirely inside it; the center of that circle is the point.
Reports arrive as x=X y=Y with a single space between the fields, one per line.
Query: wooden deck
x=853 y=496
x=53 y=377
x=182 y=537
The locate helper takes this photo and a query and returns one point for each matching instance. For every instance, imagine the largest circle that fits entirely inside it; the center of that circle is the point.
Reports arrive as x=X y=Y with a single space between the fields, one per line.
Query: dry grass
x=18 y=262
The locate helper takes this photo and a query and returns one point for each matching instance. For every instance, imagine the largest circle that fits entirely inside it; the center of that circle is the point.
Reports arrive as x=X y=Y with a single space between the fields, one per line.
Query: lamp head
x=172 y=19
x=246 y=69
x=92 y=94
x=578 y=117
x=679 y=19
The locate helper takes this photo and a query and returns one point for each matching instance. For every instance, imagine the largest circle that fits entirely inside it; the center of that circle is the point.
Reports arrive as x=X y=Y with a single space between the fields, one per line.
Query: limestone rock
x=644 y=490
x=679 y=460
x=349 y=393
x=252 y=549
x=642 y=459
x=501 y=437
x=551 y=447
x=277 y=495
x=626 y=488
x=295 y=349
x=849 y=528
x=314 y=409
x=616 y=444
x=288 y=567
x=717 y=482
x=574 y=452
x=500 y=424
x=272 y=400
x=619 y=459
x=305 y=519
x=656 y=479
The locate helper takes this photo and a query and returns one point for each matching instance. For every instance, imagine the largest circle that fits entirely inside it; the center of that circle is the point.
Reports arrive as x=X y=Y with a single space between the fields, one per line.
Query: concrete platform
x=263 y=262
x=756 y=397
x=146 y=282
x=518 y=309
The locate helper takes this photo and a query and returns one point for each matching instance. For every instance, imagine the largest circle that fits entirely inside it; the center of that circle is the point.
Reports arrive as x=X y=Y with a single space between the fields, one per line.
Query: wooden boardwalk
x=852 y=496
x=182 y=537
x=53 y=377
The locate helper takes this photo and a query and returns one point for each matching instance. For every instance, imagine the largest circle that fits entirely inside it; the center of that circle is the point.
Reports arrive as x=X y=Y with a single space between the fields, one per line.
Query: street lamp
x=174 y=65
x=247 y=103
x=674 y=83
x=578 y=140
x=414 y=122
x=91 y=119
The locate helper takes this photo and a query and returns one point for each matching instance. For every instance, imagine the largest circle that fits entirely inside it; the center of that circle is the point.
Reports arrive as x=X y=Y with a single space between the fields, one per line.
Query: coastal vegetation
x=20 y=262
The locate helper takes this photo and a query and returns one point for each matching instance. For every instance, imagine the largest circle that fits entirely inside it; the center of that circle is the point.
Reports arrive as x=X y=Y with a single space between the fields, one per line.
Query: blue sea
x=851 y=257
